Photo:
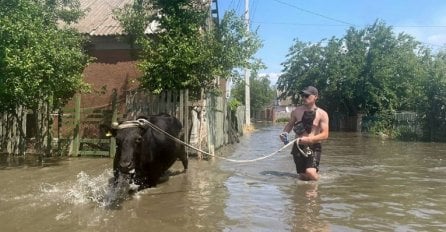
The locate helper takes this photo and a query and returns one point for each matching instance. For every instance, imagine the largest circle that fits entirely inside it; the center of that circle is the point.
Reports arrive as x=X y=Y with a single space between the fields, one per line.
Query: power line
x=238 y=5
x=421 y=26
x=314 y=13
x=299 y=24
x=343 y=25
x=230 y=4
x=254 y=5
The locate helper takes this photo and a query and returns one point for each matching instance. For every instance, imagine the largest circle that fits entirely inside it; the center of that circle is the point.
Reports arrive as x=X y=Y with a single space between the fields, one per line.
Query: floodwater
x=367 y=184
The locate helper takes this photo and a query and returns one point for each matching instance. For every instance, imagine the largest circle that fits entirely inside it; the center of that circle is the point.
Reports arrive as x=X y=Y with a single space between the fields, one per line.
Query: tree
x=371 y=71
x=40 y=64
x=262 y=94
x=368 y=70
x=302 y=68
x=184 y=53
x=38 y=61
x=432 y=102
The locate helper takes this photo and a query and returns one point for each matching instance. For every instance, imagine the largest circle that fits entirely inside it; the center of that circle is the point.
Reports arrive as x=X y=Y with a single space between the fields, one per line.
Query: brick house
x=113 y=67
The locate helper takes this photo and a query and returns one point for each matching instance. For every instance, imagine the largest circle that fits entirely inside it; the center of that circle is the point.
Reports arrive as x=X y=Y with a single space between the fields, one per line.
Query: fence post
x=186 y=117
x=112 y=150
x=181 y=109
x=358 y=125
x=77 y=119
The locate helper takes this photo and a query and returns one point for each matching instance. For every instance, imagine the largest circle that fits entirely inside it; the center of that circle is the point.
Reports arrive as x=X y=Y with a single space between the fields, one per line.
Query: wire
x=343 y=25
x=230 y=4
x=300 y=24
x=314 y=13
x=254 y=5
x=238 y=6
x=422 y=26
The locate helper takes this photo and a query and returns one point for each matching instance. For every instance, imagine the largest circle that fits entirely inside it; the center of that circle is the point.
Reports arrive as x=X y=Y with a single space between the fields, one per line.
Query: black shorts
x=311 y=161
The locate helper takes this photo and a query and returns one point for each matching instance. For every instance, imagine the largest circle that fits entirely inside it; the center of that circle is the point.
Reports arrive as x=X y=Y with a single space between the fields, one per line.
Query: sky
x=279 y=22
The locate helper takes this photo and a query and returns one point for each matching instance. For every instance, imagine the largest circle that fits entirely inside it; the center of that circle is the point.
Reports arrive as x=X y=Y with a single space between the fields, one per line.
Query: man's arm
x=284 y=135
x=289 y=126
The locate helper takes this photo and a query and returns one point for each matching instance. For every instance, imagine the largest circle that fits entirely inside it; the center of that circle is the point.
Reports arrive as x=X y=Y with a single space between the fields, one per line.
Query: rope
x=207 y=153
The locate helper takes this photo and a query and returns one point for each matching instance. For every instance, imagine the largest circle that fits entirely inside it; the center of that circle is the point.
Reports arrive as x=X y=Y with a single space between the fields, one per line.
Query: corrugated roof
x=99 y=19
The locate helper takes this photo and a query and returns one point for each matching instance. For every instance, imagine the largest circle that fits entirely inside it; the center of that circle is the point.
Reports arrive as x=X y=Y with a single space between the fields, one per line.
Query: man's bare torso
x=298 y=113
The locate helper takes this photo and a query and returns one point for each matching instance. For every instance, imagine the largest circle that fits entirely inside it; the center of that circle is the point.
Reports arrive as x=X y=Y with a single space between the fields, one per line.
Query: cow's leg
x=182 y=155
x=165 y=177
x=115 y=177
x=185 y=161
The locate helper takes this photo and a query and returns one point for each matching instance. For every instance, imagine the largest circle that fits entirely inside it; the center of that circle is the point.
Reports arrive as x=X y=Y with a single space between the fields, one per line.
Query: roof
x=99 y=19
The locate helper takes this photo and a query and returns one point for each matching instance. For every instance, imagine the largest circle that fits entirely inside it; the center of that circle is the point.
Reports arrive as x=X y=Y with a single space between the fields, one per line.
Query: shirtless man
x=307 y=164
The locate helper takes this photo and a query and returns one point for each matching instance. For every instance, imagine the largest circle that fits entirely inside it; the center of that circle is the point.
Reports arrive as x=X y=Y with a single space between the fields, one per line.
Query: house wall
x=111 y=71
x=113 y=68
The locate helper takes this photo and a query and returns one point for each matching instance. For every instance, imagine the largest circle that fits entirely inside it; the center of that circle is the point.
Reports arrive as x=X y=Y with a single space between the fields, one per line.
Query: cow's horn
x=143 y=122
x=115 y=125
x=128 y=124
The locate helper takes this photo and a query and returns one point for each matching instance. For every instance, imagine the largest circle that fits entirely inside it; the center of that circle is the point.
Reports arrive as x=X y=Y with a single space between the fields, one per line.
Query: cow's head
x=129 y=136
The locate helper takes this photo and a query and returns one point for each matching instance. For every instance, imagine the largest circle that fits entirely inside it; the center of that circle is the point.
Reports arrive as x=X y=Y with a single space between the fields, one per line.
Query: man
x=307 y=153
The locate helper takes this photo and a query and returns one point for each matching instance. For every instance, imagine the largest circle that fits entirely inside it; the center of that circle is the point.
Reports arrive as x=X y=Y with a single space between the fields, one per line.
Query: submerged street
x=367 y=184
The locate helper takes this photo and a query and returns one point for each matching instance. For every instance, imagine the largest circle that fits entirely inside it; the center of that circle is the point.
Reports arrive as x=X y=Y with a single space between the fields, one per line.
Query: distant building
x=282 y=108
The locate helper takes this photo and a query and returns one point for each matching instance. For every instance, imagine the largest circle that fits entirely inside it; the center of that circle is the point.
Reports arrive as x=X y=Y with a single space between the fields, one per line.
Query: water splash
x=118 y=191
x=103 y=190
x=87 y=189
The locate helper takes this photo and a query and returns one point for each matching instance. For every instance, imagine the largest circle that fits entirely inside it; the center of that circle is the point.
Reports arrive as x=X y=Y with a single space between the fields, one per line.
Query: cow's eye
x=138 y=140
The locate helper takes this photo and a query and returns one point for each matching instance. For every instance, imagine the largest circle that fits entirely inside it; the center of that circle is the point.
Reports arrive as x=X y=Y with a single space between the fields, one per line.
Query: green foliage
x=300 y=69
x=406 y=133
x=234 y=103
x=368 y=70
x=261 y=92
x=432 y=103
x=135 y=18
x=38 y=61
x=379 y=124
x=282 y=120
x=375 y=72
x=184 y=53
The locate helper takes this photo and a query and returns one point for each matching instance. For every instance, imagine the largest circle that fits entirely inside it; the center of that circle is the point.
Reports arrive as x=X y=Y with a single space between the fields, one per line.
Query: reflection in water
x=12 y=161
x=367 y=184
x=254 y=206
x=306 y=205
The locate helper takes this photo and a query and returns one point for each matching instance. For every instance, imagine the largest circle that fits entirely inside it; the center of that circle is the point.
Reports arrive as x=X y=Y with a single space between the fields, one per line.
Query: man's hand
x=284 y=137
x=305 y=140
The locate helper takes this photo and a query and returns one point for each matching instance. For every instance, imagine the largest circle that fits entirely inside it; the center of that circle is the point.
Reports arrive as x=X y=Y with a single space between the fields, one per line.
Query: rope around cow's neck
x=153 y=126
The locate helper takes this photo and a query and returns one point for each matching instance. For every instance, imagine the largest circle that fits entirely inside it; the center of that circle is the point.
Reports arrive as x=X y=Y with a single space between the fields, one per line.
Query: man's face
x=308 y=98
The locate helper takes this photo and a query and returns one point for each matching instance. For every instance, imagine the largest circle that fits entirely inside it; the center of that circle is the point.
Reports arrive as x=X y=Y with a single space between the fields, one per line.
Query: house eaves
x=99 y=19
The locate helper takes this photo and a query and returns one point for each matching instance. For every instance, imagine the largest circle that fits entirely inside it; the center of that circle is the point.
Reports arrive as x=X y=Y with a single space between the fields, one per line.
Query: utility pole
x=247 y=74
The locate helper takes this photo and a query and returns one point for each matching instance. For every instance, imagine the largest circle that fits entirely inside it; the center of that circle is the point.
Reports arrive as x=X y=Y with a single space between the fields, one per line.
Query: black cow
x=145 y=152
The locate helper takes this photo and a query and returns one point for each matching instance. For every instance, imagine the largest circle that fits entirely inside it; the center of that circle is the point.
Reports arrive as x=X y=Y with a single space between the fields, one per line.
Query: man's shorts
x=302 y=162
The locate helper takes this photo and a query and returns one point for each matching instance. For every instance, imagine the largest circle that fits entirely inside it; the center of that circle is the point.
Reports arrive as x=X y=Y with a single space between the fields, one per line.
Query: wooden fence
x=25 y=130
x=207 y=122
x=176 y=103
x=13 y=131
x=82 y=131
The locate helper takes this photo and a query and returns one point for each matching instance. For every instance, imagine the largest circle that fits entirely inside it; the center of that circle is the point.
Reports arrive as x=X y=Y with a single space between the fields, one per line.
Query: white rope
x=207 y=153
